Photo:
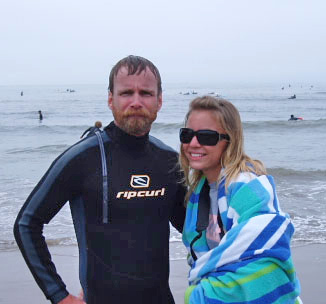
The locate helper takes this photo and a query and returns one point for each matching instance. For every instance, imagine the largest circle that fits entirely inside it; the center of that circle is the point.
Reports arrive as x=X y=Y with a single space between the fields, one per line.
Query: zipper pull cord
x=105 y=179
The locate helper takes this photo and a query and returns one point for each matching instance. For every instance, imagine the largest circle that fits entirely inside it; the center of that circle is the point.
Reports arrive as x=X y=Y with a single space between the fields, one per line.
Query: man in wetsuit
x=124 y=188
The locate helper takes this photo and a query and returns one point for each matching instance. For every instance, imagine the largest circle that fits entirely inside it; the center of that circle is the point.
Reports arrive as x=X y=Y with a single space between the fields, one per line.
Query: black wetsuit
x=91 y=131
x=127 y=259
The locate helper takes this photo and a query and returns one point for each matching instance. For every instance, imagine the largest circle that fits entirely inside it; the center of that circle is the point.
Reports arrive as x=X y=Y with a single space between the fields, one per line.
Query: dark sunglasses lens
x=207 y=138
x=186 y=135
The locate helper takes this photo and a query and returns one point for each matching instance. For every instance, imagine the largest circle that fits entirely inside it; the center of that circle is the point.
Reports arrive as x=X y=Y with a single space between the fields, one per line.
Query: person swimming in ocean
x=295 y=118
x=293 y=97
x=40 y=115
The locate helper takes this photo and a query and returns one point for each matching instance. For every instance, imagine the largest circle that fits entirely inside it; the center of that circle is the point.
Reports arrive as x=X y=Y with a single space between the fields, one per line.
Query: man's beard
x=134 y=122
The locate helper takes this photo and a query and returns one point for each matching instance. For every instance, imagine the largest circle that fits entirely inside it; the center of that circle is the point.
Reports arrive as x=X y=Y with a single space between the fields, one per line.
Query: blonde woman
x=237 y=237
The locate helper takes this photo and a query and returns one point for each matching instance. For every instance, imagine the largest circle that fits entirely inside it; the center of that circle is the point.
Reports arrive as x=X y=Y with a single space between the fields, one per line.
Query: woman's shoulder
x=250 y=180
x=244 y=177
x=240 y=180
x=250 y=195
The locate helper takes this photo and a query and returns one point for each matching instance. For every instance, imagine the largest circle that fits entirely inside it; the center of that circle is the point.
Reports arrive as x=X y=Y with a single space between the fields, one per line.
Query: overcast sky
x=202 y=41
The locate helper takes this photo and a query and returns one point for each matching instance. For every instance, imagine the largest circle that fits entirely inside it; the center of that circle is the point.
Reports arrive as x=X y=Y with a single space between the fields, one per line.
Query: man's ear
x=159 y=105
x=110 y=100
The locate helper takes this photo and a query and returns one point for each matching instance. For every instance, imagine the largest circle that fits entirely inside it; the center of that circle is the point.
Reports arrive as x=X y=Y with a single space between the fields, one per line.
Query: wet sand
x=18 y=286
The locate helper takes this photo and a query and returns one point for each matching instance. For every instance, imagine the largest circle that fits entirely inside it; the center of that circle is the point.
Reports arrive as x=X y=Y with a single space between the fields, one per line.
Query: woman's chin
x=196 y=165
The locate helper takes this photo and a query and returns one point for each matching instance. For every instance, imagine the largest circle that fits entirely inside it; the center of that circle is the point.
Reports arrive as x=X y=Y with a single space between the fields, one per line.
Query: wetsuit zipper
x=105 y=215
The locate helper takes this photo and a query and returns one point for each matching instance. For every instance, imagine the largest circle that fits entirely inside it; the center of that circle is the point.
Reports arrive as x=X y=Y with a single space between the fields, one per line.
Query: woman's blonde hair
x=233 y=160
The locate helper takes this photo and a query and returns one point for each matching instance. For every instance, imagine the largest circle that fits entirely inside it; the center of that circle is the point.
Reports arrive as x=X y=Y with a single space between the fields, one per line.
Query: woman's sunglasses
x=204 y=137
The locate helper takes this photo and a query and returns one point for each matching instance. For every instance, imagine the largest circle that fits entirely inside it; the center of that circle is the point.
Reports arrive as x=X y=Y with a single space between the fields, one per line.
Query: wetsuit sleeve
x=57 y=186
x=86 y=132
x=178 y=213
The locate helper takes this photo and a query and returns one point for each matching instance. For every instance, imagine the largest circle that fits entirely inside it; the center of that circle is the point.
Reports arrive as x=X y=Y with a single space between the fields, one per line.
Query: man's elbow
x=24 y=226
x=17 y=229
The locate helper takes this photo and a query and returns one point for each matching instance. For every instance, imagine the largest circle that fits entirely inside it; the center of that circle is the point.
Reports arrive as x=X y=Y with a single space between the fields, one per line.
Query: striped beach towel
x=252 y=263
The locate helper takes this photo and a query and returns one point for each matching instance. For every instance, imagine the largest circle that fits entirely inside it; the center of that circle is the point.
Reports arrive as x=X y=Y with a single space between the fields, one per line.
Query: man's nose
x=136 y=101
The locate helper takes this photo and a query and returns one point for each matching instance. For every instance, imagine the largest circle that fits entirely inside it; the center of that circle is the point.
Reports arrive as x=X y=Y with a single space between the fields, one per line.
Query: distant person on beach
x=92 y=130
x=124 y=188
x=21 y=93
x=40 y=115
x=237 y=237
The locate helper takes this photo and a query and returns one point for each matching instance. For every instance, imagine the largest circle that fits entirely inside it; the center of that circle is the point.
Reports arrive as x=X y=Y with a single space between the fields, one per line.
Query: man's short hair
x=135 y=65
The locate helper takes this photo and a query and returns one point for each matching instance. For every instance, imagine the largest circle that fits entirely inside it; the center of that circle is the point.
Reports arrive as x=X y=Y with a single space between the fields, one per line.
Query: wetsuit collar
x=125 y=139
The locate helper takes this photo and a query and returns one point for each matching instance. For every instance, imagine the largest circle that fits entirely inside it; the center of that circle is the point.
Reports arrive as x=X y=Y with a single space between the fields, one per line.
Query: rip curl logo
x=139 y=181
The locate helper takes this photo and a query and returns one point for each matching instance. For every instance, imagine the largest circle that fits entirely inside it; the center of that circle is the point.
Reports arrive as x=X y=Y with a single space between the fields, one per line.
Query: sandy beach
x=17 y=284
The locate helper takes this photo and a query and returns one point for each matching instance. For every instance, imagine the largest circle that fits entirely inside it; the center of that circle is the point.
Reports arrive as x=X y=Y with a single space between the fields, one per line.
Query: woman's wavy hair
x=234 y=160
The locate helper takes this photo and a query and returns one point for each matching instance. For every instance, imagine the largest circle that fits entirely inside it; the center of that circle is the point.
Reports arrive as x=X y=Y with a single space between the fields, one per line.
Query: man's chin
x=136 y=126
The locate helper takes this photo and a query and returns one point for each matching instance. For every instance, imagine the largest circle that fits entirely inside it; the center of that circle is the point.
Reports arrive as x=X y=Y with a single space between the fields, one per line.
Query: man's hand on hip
x=70 y=299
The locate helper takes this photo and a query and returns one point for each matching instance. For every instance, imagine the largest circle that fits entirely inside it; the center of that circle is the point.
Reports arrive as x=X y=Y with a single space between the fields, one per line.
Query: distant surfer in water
x=40 y=115
x=92 y=130
x=295 y=118
x=293 y=97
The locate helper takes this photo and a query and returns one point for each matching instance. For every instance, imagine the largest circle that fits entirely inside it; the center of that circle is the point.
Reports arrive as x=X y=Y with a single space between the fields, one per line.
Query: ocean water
x=294 y=152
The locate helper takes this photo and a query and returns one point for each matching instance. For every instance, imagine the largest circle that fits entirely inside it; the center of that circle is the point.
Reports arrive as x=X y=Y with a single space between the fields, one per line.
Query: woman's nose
x=194 y=142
